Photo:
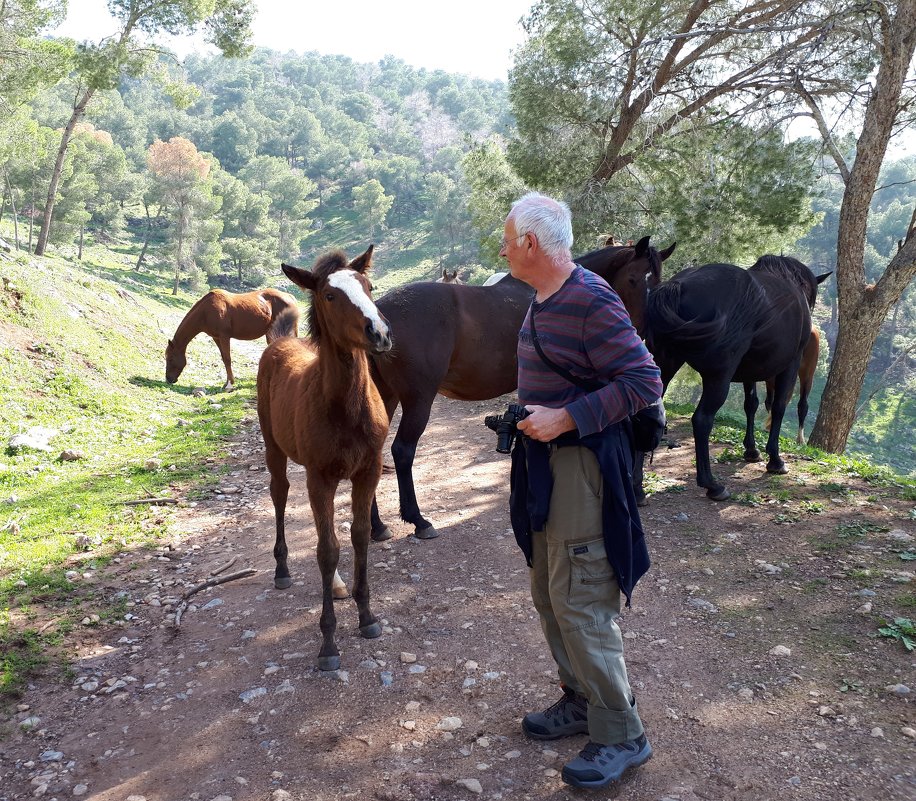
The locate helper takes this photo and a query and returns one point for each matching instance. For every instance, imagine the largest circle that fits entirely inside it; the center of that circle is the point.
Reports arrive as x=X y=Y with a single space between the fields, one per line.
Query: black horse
x=733 y=325
x=460 y=341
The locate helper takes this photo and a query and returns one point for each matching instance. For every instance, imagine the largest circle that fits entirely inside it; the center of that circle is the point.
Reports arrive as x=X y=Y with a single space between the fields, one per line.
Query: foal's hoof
x=381 y=536
x=644 y=501
x=752 y=456
x=339 y=593
x=329 y=662
x=718 y=494
x=779 y=468
x=371 y=631
x=283 y=583
x=428 y=533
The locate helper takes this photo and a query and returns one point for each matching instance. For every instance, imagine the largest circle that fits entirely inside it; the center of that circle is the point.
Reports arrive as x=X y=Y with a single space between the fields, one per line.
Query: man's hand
x=545 y=424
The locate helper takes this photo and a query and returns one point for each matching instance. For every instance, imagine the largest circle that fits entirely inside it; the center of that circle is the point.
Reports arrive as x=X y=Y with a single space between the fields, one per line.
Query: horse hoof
x=283 y=583
x=640 y=502
x=779 y=469
x=720 y=494
x=329 y=663
x=371 y=631
x=752 y=456
x=339 y=593
x=381 y=536
x=428 y=533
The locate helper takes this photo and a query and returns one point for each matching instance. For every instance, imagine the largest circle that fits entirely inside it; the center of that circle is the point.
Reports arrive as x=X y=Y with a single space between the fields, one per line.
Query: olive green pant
x=575 y=592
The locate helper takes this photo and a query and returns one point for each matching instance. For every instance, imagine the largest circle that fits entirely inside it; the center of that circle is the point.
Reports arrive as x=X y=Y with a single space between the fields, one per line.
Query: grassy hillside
x=82 y=354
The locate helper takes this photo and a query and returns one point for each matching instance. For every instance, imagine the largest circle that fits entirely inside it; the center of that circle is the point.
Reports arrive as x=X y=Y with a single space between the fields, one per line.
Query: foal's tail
x=285 y=324
x=663 y=316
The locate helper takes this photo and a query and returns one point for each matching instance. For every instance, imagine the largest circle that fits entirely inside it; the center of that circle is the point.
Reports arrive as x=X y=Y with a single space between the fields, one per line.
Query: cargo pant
x=575 y=592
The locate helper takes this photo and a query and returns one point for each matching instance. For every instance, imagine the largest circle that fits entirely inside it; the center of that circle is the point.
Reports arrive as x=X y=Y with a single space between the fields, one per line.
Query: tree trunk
x=79 y=252
x=146 y=236
x=9 y=188
x=78 y=110
x=178 y=250
x=863 y=307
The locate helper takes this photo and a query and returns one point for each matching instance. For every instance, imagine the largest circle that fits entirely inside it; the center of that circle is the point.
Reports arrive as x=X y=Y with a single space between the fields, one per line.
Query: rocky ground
x=752 y=644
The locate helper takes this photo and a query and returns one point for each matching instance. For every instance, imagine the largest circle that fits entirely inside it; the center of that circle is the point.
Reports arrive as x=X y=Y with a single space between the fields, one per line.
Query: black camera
x=505 y=425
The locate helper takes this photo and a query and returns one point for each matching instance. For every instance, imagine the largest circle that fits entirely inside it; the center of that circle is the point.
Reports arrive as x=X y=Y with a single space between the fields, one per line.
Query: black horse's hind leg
x=751 y=403
x=414 y=417
x=715 y=391
x=668 y=367
x=279 y=492
x=639 y=460
x=782 y=391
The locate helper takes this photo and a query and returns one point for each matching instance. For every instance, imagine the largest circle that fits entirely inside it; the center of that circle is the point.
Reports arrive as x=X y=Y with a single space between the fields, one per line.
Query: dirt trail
x=230 y=706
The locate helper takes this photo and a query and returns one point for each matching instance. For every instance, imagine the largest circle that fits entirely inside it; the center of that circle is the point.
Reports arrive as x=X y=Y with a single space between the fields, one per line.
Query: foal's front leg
x=364 y=484
x=321 y=499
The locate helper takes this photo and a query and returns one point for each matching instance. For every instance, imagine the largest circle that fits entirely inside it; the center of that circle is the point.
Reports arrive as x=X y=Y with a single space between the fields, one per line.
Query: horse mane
x=327 y=263
x=793 y=270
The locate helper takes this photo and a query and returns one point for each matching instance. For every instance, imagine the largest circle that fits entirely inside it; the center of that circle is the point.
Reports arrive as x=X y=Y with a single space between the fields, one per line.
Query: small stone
x=71 y=456
x=470 y=784
x=410 y=725
x=681 y=517
x=826 y=711
x=249 y=695
x=470 y=666
x=408 y=658
x=29 y=723
x=483 y=742
x=449 y=724
x=80 y=789
x=864 y=609
x=780 y=650
x=386 y=677
x=906 y=731
x=746 y=694
x=898 y=689
x=877 y=732
x=280 y=795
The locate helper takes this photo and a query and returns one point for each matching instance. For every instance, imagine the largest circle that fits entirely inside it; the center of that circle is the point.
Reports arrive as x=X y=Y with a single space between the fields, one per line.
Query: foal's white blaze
x=346 y=282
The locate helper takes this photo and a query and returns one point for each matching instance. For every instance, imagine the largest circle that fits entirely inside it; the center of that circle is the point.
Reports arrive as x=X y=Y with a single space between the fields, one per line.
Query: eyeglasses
x=505 y=242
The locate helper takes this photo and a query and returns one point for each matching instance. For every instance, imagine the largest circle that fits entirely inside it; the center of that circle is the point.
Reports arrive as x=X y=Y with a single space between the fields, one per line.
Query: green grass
x=78 y=358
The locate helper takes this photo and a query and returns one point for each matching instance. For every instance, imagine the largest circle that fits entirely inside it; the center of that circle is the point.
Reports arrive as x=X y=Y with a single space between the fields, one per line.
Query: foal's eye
x=329 y=296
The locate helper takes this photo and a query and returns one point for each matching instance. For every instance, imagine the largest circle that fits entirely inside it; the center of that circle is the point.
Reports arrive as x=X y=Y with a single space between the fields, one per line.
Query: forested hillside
x=213 y=170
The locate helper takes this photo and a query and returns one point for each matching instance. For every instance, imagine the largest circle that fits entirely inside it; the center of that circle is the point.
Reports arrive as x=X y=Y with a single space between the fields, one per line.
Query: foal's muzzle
x=380 y=341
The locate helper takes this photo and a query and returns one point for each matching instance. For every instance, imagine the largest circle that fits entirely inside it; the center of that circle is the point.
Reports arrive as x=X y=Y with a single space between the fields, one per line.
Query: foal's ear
x=642 y=248
x=300 y=277
x=664 y=254
x=363 y=263
x=823 y=277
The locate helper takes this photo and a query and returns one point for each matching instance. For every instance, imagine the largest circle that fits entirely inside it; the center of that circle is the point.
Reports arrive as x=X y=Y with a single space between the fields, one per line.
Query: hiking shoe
x=566 y=717
x=598 y=765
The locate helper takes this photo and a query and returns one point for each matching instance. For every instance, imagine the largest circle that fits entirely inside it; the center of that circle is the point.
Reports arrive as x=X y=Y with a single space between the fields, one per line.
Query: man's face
x=514 y=248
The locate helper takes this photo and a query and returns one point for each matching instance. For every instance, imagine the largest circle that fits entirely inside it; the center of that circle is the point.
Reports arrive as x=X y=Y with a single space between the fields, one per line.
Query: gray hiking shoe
x=566 y=717
x=598 y=765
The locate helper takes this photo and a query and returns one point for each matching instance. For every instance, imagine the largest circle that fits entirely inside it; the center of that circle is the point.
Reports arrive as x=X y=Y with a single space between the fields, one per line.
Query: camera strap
x=582 y=383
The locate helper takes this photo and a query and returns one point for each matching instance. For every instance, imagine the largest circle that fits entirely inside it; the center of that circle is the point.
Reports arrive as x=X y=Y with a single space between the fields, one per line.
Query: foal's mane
x=791 y=269
x=327 y=263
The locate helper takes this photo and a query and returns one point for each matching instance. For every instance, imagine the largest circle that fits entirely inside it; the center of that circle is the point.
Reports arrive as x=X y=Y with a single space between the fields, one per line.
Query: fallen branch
x=212 y=582
x=225 y=567
x=149 y=500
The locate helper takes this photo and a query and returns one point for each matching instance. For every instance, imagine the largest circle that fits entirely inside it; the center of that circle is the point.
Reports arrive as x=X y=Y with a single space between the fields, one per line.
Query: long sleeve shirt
x=584 y=327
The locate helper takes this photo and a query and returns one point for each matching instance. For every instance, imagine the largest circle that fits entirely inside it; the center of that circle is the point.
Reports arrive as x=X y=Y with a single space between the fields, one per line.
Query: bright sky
x=474 y=37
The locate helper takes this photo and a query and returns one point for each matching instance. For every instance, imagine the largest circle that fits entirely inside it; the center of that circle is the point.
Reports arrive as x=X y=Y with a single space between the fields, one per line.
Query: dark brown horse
x=449 y=277
x=224 y=316
x=318 y=406
x=733 y=325
x=460 y=341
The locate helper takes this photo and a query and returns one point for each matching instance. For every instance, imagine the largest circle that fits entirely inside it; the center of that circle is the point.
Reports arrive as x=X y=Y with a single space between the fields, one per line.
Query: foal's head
x=342 y=312
x=175 y=361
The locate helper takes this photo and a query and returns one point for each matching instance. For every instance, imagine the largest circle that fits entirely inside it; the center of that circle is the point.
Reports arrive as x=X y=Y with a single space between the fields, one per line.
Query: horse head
x=631 y=271
x=448 y=277
x=342 y=308
x=175 y=361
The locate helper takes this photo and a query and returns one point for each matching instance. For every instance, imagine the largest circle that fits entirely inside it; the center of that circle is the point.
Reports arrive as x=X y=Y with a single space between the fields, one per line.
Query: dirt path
x=230 y=706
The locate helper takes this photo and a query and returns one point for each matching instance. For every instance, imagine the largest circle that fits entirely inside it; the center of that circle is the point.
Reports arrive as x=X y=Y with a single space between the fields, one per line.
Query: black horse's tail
x=285 y=324
x=663 y=316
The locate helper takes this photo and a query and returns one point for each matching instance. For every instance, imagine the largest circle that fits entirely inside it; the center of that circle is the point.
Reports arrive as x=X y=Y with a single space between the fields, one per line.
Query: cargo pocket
x=589 y=570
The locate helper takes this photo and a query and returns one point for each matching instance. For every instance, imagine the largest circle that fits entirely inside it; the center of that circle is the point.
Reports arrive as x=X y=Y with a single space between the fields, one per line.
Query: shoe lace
x=559 y=707
x=591 y=751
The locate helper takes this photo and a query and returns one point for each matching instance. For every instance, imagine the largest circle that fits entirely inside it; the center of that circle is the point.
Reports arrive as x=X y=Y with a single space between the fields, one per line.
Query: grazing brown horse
x=460 y=341
x=224 y=316
x=318 y=406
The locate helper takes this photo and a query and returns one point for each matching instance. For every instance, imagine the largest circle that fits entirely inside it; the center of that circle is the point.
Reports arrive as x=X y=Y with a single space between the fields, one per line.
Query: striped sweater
x=585 y=328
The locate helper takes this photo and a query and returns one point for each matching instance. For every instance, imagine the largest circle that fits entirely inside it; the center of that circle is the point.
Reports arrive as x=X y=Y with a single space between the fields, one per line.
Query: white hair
x=549 y=220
